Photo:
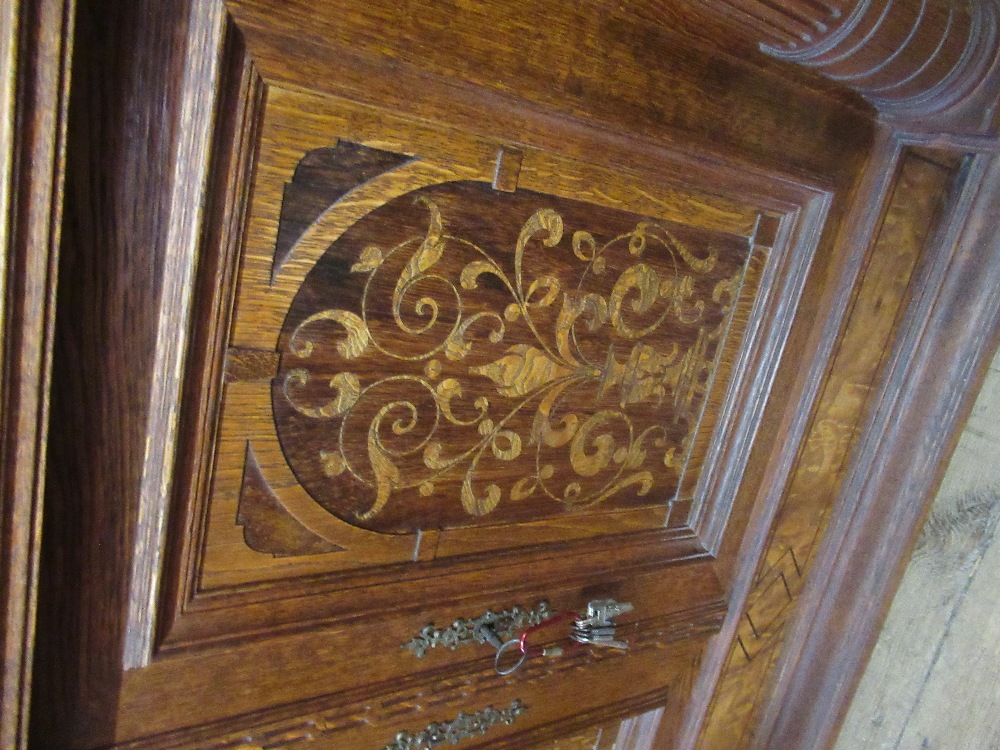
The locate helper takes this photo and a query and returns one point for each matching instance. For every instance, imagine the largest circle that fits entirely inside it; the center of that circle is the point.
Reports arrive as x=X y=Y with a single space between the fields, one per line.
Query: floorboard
x=932 y=682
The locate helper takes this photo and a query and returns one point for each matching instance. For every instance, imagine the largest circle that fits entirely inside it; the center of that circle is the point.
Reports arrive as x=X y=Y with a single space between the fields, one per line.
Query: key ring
x=504 y=647
x=526 y=649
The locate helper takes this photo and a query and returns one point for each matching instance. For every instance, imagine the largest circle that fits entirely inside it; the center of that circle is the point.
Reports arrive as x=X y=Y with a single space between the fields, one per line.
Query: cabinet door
x=366 y=348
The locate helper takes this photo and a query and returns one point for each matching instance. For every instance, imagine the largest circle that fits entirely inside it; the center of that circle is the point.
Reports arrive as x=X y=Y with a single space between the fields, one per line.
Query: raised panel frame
x=191 y=612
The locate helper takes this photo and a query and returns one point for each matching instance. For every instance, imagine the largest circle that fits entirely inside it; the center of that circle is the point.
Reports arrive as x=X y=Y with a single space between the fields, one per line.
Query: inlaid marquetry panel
x=461 y=356
x=395 y=313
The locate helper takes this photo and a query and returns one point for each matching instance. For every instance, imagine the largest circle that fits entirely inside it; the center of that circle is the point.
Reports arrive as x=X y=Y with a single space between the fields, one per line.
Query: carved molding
x=788 y=25
x=35 y=55
x=906 y=57
x=334 y=717
x=892 y=477
x=899 y=243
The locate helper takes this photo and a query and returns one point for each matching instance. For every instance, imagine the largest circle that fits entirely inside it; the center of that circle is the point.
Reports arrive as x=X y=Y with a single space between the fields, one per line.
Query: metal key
x=596 y=632
x=603 y=612
x=598 y=628
x=604 y=641
x=488 y=635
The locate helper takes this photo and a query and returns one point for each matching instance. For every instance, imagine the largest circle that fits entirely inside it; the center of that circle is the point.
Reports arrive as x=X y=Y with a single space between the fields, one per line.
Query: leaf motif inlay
x=523 y=370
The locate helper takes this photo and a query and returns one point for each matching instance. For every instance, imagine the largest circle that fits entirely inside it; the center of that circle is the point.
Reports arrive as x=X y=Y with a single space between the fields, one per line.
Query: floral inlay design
x=460 y=356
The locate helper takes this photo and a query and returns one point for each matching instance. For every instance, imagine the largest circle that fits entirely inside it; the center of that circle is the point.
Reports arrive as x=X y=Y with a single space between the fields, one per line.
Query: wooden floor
x=933 y=682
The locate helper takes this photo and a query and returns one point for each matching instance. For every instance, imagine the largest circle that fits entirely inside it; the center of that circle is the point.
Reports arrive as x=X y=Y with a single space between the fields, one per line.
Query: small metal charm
x=604 y=611
x=463 y=726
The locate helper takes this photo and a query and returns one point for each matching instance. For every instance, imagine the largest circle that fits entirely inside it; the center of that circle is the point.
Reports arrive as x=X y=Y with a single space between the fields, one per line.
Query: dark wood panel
x=126 y=176
x=563 y=369
x=151 y=376
x=631 y=75
x=307 y=122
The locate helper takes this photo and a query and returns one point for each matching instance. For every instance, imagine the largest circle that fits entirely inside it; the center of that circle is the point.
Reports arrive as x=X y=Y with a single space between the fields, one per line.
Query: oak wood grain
x=124 y=120
x=957 y=286
x=912 y=208
x=226 y=606
x=288 y=125
x=35 y=49
x=195 y=598
x=385 y=50
x=323 y=668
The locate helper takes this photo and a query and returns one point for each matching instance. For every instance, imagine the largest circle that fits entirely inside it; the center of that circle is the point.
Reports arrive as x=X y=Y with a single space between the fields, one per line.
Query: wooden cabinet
x=372 y=318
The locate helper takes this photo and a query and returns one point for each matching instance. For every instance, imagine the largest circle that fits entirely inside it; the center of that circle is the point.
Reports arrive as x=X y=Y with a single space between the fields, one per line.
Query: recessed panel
x=443 y=346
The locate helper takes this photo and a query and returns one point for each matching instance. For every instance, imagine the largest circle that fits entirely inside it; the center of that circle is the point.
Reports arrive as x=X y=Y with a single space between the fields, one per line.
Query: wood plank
x=34 y=60
x=115 y=253
x=920 y=688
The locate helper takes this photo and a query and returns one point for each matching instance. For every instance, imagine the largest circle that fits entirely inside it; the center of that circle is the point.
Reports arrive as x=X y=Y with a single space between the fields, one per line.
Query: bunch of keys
x=597 y=628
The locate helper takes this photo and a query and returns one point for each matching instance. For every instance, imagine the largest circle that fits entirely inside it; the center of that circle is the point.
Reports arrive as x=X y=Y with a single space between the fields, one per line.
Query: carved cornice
x=785 y=24
x=909 y=58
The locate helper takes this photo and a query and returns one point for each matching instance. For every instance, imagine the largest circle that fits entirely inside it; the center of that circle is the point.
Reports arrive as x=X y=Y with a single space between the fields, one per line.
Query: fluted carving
x=907 y=57
x=784 y=24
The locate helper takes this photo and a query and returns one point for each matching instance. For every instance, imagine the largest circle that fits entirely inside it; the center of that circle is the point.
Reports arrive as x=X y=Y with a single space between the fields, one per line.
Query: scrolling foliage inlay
x=462 y=356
